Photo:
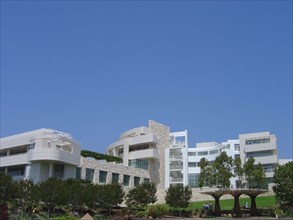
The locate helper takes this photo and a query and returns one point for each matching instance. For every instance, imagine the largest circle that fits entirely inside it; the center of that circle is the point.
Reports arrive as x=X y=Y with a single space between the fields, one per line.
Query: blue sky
x=96 y=68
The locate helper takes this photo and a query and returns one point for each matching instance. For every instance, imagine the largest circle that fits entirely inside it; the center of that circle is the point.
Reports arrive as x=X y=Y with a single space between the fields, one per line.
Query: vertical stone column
x=51 y=169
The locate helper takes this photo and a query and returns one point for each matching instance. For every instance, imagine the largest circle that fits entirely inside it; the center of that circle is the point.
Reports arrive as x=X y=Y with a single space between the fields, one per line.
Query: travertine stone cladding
x=157 y=167
x=110 y=168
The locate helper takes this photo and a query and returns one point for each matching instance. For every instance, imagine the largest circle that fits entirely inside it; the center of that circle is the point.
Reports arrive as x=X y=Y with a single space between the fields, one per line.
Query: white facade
x=149 y=154
x=209 y=150
x=39 y=154
x=176 y=165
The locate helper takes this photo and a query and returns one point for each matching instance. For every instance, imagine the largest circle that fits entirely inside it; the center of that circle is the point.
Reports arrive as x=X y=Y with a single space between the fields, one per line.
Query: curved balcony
x=144 y=154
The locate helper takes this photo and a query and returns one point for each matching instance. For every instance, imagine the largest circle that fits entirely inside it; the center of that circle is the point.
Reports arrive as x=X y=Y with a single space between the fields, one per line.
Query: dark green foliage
x=7 y=189
x=216 y=174
x=178 y=196
x=205 y=176
x=238 y=170
x=25 y=194
x=254 y=174
x=141 y=195
x=157 y=211
x=51 y=193
x=108 y=196
x=222 y=169
x=76 y=193
x=99 y=156
x=283 y=178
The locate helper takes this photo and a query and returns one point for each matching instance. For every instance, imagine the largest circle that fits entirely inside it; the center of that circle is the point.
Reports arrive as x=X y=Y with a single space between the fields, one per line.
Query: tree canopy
x=178 y=196
x=283 y=178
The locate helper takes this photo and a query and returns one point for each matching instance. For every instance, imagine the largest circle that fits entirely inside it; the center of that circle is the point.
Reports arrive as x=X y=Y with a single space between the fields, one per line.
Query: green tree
x=283 y=178
x=222 y=169
x=7 y=194
x=109 y=195
x=178 y=196
x=254 y=174
x=51 y=193
x=76 y=190
x=141 y=196
x=25 y=193
x=238 y=171
x=206 y=177
x=7 y=189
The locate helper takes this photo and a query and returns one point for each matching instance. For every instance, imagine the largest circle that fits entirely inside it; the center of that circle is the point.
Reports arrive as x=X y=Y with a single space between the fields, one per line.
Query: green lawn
x=264 y=201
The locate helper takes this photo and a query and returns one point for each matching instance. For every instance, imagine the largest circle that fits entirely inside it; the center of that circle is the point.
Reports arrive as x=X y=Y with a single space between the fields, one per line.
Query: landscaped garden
x=70 y=199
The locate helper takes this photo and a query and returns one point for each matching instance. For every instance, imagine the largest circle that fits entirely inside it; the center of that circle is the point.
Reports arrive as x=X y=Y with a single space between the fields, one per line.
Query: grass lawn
x=264 y=201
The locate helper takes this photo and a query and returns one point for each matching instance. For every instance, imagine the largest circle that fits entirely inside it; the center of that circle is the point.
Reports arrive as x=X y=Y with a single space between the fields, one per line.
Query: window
x=16 y=171
x=103 y=177
x=193 y=180
x=257 y=141
x=58 y=170
x=142 y=164
x=78 y=173
x=192 y=164
x=31 y=146
x=136 y=181
x=260 y=154
x=115 y=177
x=214 y=151
x=201 y=153
x=146 y=180
x=191 y=153
x=237 y=147
x=176 y=165
x=89 y=174
x=126 y=179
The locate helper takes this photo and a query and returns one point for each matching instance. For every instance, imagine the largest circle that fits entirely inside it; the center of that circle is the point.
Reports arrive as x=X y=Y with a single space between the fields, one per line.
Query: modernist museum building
x=150 y=153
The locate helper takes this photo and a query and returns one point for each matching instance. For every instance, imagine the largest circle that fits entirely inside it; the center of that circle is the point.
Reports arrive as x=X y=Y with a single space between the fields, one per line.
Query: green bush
x=66 y=217
x=157 y=211
x=140 y=214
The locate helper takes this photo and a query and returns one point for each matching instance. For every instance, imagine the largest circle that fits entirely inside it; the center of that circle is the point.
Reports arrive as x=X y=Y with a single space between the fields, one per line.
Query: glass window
x=142 y=164
x=193 y=180
x=58 y=170
x=257 y=141
x=237 y=147
x=201 y=153
x=260 y=154
x=136 y=181
x=192 y=164
x=89 y=174
x=115 y=177
x=103 y=177
x=214 y=151
x=191 y=153
x=146 y=180
x=126 y=179
x=78 y=173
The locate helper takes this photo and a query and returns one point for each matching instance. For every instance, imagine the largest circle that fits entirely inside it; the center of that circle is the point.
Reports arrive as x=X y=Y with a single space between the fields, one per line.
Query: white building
x=149 y=154
x=39 y=154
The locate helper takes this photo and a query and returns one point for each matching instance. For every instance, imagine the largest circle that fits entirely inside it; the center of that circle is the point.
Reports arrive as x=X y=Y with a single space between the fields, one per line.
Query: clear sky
x=95 y=69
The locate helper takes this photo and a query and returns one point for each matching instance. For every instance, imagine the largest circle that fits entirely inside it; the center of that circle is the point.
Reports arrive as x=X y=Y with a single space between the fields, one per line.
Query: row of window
x=89 y=175
x=260 y=154
x=203 y=153
x=257 y=141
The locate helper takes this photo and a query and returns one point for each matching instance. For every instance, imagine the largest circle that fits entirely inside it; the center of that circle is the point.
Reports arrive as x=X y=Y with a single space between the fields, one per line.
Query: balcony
x=144 y=154
x=11 y=160
x=260 y=147
x=176 y=180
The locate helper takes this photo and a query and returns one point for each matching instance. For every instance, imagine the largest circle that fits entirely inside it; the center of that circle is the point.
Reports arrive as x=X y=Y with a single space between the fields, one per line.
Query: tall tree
x=222 y=168
x=142 y=195
x=51 y=193
x=109 y=195
x=25 y=193
x=206 y=177
x=178 y=196
x=238 y=171
x=254 y=174
x=283 y=178
x=7 y=194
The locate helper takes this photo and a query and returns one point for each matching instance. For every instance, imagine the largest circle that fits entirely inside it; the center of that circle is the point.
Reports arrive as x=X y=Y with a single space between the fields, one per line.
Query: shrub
x=157 y=211
x=140 y=214
x=67 y=217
